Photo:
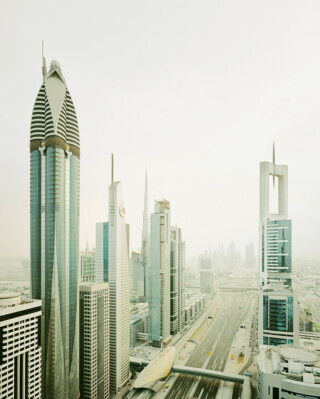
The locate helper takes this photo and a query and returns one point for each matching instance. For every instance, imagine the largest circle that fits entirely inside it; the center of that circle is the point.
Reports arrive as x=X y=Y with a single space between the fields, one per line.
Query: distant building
x=177 y=285
x=88 y=266
x=159 y=275
x=20 y=350
x=138 y=274
x=278 y=305
x=250 y=260
x=94 y=340
x=287 y=372
x=206 y=273
x=102 y=248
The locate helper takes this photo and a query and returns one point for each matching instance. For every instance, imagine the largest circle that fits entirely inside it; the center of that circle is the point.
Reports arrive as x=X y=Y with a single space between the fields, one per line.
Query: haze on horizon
x=196 y=92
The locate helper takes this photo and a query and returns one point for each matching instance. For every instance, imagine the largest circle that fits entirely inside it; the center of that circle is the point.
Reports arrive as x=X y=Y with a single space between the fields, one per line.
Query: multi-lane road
x=213 y=350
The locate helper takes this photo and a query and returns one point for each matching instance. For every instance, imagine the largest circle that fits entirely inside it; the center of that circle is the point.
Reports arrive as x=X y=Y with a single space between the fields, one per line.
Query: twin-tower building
x=278 y=304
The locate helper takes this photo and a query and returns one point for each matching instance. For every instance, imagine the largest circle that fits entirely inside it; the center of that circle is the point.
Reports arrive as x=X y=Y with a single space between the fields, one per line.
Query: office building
x=54 y=231
x=20 y=350
x=102 y=248
x=138 y=275
x=206 y=273
x=94 y=340
x=278 y=306
x=118 y=277
x=177 y=290
x=88 y=265
x=288 y=372
x=159 y=275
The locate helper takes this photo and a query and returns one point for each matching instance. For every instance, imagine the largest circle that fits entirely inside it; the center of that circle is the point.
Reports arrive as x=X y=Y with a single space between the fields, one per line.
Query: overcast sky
x=195 y=91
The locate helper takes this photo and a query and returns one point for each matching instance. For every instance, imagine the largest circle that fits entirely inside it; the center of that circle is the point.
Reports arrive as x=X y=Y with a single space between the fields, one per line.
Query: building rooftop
x=9 y=298
x=294 y=363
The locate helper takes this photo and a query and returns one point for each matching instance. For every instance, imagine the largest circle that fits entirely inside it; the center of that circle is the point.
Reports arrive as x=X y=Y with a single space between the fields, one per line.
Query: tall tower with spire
x=118 y=277
x=145 y=237
x=54 y=231
x=278 y=305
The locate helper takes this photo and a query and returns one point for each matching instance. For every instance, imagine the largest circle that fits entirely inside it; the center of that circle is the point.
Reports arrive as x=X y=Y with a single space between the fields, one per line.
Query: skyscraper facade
x=278 y=306
x=54 y=228
x=118 y=272
x=20 y=350
x=102 y=248
x=94 y=340
x=159 y=275
x=177 y=287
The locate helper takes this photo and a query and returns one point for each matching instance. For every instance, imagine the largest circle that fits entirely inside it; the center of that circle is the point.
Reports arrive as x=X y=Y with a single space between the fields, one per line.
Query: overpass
x=163 y=365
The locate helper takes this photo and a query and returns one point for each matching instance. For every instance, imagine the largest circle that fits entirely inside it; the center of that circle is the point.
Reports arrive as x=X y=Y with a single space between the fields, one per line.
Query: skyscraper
x=278 y=305
x=88 y=265
x=139 y=260
x=20 y=351
x=159 y=275
x=54 y=231
x=145 y=237
x=138 y=275
x=206 y=273
x=118 y=265
x=94 y=340
x=102 y=243
x=177 y=288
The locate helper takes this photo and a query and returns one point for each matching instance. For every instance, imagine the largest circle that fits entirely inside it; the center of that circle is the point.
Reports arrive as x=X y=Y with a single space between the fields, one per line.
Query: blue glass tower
x=54 y=228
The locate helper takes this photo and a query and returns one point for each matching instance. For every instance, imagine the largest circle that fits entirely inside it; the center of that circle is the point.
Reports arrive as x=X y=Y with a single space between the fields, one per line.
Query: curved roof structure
x=157 y=369
x=298 y=355
x=54 y=121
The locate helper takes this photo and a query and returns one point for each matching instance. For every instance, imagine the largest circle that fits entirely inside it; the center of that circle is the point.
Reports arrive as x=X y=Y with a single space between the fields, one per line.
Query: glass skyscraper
x=54 y=228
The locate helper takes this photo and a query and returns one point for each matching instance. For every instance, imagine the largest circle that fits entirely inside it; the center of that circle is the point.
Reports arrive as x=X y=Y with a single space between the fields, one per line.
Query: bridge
x=163 y=365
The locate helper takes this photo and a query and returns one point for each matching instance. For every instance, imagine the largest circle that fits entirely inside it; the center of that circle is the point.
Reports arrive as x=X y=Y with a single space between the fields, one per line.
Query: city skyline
x=217 y=123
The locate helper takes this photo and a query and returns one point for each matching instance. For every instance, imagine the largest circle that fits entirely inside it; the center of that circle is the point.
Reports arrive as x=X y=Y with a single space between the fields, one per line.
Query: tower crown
x=54 y=122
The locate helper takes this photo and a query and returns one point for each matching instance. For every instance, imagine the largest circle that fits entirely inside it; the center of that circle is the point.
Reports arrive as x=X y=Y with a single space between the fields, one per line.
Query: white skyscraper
x=278 y=305
x=20 y=350
x=94 y=340
x=118 y=272
x=159 y=275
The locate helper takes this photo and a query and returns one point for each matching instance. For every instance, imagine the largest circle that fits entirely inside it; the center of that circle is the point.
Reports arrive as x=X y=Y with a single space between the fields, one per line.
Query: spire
x=44 y=66
x=112 y=169
x=145 y=231
x=274 y=163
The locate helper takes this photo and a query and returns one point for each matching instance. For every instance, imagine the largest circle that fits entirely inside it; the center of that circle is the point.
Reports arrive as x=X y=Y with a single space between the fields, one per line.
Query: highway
x=217 y=341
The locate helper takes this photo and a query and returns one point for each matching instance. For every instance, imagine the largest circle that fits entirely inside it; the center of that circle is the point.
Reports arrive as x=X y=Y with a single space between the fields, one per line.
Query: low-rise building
x=20 y=350
x=286 y=372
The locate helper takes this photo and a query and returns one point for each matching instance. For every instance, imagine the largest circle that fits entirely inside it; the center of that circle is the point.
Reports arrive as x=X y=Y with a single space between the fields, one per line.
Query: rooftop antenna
x=44 y=66
x=274 y=163
x=112 y=168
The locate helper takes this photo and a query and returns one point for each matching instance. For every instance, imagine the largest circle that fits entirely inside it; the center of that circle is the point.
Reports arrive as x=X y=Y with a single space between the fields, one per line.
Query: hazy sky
x=196 y=91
